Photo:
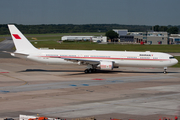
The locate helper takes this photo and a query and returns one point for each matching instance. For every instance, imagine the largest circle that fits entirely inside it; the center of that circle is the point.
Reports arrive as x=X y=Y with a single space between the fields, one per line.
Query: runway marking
x=4 y=91
x=85 y=84
x=4 y=72
x=98 y=79
x=25 y=82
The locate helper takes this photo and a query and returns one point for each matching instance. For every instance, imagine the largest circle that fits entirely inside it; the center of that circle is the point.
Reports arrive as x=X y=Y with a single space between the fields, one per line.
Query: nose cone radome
x=174 y=61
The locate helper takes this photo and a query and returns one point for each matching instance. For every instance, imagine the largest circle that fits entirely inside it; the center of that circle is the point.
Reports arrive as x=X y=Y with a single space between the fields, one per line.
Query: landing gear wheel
x=94 y=70
x=165 y=68
x=90 y=71
x=86 y=71
x=165 y=71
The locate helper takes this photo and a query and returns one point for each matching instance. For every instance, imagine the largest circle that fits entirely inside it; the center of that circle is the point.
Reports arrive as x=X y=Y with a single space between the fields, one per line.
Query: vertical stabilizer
x=20 y=41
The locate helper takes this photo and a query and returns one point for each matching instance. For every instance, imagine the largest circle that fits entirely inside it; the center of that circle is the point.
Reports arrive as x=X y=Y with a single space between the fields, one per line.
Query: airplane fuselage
x=120 y=58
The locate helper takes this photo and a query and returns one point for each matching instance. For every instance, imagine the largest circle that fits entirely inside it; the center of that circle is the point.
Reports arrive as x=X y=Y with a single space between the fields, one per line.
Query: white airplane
x=105 y=60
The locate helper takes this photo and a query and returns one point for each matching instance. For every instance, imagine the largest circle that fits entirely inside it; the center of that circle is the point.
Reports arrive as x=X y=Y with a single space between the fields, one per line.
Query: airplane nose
x=176 y=61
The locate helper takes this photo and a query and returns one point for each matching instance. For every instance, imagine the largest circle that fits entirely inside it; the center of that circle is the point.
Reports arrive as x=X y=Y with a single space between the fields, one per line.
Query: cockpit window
x=171 y=58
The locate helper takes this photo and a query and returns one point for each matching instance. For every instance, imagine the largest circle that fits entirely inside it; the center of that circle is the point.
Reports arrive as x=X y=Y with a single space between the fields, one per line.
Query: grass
x=3 y=37
x=111 y=47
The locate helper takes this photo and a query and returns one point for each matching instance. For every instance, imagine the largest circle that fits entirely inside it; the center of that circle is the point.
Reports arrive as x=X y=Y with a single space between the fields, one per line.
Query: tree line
x=169 y=29
x=71 y=28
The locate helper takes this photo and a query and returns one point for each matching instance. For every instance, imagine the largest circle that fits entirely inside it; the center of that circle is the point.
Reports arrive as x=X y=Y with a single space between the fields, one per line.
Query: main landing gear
x=90 y=70
x=165 y=68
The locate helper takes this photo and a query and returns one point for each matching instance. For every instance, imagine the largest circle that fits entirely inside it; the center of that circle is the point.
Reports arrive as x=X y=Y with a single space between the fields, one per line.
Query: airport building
x=151 y=37
x=121 y=31
x=123 y=36
x=126 y=38
x=85 y=38
x=174 y=39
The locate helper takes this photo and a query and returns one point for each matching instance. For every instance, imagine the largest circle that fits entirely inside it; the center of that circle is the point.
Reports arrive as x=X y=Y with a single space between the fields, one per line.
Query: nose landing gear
x=165 y=68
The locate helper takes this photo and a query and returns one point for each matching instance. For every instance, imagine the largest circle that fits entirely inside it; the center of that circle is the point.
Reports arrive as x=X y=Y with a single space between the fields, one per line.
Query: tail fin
x=20 y=41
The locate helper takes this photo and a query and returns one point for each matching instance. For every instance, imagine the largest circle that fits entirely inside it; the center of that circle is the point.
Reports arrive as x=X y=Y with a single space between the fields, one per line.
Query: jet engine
x=106 y=65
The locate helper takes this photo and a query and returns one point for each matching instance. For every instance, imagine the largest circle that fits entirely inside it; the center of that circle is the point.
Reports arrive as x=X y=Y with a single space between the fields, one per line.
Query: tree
x=163 y=28
x=111 y=34
x=173 y=30
x=160 y=28
x=156 y=28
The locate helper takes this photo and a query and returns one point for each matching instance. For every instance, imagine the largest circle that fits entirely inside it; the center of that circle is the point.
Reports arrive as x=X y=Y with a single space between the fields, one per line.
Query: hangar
x=84 y=38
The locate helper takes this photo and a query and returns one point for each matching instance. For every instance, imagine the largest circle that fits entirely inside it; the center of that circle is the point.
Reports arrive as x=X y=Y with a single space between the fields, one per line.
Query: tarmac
x=65 y=91
x=6 y=45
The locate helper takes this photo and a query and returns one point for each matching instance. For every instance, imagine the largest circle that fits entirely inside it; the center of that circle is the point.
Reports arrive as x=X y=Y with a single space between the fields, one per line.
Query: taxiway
x=32 y=88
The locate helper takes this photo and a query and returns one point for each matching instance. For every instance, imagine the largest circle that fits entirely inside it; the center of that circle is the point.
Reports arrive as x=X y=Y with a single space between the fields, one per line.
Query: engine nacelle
x=106 y=65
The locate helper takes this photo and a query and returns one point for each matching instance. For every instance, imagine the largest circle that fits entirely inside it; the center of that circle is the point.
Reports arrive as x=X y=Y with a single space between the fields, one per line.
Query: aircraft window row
x=131 y=57
x=144 y=54
x=51 y=55
x=101 y=56
x=144 y=57
x=171 y=58
x=60 y=55
x=75 y=55
x=68 y=55
x=155 y=57
x=63 y=55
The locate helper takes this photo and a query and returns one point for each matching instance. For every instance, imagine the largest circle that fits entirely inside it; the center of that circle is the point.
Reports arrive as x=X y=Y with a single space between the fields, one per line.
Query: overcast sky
x=129 y=12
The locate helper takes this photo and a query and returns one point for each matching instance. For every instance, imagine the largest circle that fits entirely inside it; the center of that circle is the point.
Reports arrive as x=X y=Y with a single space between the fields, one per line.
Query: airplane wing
x=82 y=61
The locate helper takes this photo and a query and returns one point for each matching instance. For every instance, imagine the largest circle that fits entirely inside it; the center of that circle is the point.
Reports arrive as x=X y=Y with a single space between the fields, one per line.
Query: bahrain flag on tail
x=16 y=36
